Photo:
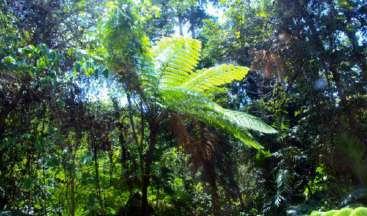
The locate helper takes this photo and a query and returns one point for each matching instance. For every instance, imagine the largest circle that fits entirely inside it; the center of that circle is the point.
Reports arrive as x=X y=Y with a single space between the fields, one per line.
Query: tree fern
x=184 y=90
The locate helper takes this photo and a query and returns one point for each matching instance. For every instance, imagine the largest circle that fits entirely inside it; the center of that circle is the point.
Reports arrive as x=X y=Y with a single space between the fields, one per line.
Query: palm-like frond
x=247 y=121
x=175 y=60
x=185 y=91
x=199 y=107
x=210 y=79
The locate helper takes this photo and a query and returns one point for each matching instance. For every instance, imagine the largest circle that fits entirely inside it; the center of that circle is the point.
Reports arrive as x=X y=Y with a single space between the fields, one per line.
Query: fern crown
x=180 y=88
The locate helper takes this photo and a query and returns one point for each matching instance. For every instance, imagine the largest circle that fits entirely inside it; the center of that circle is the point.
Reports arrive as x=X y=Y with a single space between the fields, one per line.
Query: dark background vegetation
x=62 y=153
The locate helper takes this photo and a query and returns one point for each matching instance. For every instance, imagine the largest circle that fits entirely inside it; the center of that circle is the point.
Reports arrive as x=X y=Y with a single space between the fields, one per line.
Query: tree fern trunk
x=96 y=168
x=148 y=158
x=213 y=189
x=2 y=126
x=111 y=169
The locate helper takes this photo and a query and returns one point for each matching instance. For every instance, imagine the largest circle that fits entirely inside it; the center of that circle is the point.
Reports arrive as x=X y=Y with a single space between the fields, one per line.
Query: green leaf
x=9 y=60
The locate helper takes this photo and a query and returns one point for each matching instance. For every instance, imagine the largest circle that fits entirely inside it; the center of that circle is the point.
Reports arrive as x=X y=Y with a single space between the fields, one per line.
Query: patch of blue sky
x=212 y=10
x=99 y=88
x=362 y=36
x=217 y=12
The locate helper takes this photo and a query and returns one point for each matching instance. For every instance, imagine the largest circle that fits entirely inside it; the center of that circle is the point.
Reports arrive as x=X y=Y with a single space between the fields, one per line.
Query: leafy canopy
x=182 y=89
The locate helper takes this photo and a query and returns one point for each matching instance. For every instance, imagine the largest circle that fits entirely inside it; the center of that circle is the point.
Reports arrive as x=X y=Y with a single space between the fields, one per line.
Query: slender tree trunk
x=133 y=128
x=148 y=158
x=110 y=158
x=180 y=25
x=72 y=187
x=44 y=196
x=142 y=138
x=29 y=173
x=2 y=126
x=72 y=193
x=41 y=136
x=123 y=155
x=96 y=168
x=132 y=123
x=193 y=32
x=213 y=188
x=215 y=198
x=123 y=160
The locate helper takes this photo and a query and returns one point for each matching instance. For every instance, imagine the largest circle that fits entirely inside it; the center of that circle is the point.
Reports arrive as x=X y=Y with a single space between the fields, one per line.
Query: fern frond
x=185 y=91
x=212 y=78
x=175 y=59
x=198 y=106
x=248 y=121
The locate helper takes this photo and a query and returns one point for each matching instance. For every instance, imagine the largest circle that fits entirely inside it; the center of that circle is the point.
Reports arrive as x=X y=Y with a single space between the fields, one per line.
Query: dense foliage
x=344 y=211
x=168 y=107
